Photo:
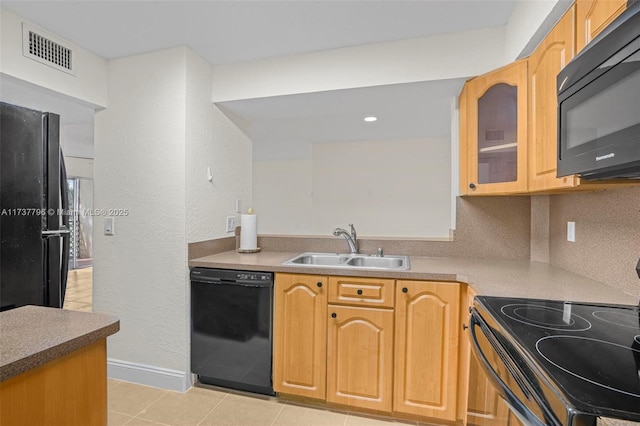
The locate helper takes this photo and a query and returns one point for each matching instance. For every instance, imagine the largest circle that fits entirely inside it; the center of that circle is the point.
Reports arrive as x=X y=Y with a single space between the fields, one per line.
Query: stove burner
x=622 y=319
x=545 y=317
x=592 y=363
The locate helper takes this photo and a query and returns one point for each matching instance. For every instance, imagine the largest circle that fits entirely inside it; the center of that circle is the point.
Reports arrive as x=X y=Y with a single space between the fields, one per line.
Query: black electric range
x=560 y=363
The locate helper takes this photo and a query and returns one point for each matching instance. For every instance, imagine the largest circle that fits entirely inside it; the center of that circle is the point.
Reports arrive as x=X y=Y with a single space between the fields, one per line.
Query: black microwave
x=599 y=104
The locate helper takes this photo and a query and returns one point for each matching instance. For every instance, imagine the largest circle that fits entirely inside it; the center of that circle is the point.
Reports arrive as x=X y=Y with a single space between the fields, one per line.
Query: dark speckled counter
x=31 y=336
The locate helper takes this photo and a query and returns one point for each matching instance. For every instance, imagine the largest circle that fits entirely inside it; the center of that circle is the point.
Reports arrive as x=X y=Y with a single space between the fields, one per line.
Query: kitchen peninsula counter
x=31 y=336
x=489 y=277
x=53 y=366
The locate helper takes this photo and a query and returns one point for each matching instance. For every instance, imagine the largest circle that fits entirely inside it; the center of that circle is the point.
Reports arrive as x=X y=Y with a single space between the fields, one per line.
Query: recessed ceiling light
x=370 y=119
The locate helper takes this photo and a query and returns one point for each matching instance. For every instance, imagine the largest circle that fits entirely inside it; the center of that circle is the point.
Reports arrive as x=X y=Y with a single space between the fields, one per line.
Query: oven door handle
x=523 y=413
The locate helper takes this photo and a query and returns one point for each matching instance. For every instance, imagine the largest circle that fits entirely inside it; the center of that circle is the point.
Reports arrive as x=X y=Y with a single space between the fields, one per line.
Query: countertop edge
x=522 y=278
x=42 y=357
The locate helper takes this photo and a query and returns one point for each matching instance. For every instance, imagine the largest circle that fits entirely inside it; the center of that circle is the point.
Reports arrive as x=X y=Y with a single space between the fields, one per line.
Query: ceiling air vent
x=46 y=49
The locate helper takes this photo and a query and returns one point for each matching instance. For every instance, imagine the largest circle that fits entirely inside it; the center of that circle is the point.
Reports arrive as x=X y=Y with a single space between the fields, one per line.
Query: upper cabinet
x=509 y=118
x=592 y=16
x=493 y=133
x=555 y=51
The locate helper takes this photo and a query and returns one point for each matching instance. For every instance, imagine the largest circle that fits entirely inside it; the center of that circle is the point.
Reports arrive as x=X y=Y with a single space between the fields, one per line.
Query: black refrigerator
x=34 y=226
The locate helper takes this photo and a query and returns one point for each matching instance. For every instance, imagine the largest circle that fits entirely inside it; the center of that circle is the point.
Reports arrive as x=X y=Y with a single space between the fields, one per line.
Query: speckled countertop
x=33 y=335
x=511 y=278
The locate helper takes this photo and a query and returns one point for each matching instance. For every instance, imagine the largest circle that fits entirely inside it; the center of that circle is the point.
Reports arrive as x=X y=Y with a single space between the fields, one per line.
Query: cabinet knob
x=465 y=326
x=404 y=289
x=333 y=315
x=472 y=185
x=359 y=291
x=319 y=284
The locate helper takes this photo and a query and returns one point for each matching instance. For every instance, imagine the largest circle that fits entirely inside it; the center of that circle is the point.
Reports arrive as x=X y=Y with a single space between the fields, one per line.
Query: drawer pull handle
x=319 y=284
x=359 y=291
x=333 y=315
x=405 y=290
x=465 y=326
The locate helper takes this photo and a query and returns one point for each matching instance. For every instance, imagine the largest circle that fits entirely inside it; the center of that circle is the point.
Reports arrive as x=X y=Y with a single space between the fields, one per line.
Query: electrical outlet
x=571 y=232
x=231 y=223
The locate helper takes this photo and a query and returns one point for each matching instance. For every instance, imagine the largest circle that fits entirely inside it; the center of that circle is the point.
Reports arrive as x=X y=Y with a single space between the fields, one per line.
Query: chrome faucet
x=352 y=239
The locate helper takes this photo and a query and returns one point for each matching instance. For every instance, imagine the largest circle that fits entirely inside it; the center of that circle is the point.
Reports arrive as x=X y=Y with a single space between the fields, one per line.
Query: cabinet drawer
x=361 y=291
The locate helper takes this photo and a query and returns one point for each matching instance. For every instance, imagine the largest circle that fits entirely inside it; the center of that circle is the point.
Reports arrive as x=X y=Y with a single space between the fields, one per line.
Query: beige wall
x=607 y=245
x=488 y=228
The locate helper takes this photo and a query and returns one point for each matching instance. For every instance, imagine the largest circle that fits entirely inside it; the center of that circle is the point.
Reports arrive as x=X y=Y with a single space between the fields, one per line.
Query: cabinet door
x=360 y=357
x=484 y=405
x=592 y=16
x=426 y=363
x=496 y=131
x=555 y=51
x=300 y=335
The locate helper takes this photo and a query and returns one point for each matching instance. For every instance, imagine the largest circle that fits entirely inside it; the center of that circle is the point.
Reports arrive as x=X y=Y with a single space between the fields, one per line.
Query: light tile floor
x=132 y=405
x=79 y=294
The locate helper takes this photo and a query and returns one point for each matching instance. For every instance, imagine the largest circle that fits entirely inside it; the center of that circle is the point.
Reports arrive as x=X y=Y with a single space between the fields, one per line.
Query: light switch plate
x=109 y=226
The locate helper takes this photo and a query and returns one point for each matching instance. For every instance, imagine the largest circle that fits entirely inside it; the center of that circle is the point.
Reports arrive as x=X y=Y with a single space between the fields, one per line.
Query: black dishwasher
x=231 y=328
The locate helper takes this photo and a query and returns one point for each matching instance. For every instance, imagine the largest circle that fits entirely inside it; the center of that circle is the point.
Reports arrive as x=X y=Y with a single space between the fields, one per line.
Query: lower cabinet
x=377 y=344
x=484 y=406
x=360 y=357
x=300 y=335
x=427 y=334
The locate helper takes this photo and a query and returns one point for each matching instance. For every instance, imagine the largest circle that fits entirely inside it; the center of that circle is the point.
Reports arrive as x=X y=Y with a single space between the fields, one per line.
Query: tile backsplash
x=607 y=231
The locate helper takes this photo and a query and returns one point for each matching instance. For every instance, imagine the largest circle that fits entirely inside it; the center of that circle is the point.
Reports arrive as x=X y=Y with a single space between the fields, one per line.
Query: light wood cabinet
x=70 y=390
x=427 y=334
x=360 y=357
x=376 y=344
x=493 y=133
x=371 y=292
x=555 y=51
x=300 y=335
x=479 y=400
x=592 y=16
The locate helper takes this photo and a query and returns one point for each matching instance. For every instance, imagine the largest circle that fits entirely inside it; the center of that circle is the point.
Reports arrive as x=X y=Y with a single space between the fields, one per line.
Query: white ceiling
x=232 y=31
x=286 y=126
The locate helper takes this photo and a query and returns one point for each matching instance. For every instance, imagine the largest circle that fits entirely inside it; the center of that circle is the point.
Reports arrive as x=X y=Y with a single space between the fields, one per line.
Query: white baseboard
x=149 y=375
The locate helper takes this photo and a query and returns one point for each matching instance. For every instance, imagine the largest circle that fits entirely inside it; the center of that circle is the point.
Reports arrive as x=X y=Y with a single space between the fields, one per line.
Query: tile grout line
x=149 y=405
x=279 y=412
x=211 y=411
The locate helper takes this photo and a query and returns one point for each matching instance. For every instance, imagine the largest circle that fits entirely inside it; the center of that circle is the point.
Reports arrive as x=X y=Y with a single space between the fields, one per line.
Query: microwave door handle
x=510 y=398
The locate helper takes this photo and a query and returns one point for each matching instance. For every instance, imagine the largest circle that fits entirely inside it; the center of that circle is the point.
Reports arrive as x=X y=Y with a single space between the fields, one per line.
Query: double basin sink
x=355 y=261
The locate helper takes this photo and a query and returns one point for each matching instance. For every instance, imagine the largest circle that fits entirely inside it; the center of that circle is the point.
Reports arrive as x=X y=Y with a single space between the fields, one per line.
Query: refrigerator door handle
x=56 y=233
x=66 y=237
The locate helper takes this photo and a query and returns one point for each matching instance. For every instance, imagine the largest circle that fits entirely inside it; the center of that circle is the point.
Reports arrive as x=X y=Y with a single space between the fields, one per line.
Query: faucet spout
x=351 y=238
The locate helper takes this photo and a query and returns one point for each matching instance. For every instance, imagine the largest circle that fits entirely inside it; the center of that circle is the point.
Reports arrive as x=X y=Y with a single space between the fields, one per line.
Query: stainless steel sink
x=353 y=261
x=387 y=262
x=322 y=259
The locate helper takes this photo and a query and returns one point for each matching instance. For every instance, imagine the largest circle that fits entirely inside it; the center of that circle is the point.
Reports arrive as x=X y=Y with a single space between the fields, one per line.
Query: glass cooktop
x=588 y=353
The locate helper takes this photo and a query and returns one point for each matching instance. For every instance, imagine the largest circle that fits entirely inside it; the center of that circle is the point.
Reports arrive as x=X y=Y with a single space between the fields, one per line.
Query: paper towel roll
x=248 y=232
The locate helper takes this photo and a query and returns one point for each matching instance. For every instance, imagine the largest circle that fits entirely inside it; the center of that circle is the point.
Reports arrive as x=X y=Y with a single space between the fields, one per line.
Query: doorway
x=79 y=293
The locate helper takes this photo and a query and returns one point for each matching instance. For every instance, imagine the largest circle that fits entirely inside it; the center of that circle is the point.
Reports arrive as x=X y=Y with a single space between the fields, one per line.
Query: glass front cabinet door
x=493 y=132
